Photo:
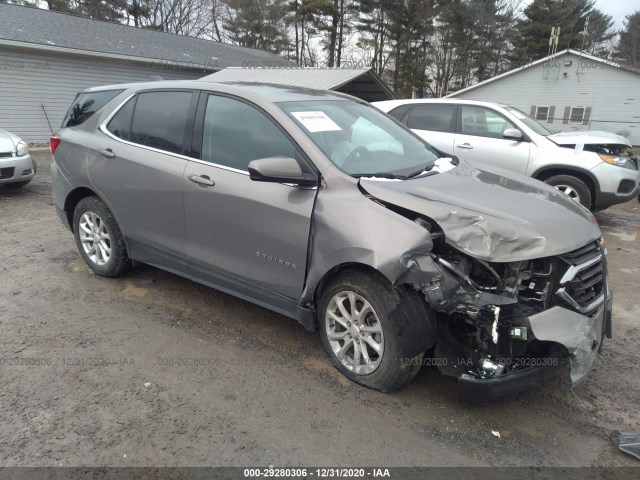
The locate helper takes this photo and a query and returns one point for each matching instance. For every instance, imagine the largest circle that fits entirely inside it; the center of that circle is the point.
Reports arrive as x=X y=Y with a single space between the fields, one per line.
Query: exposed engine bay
x=500 y=319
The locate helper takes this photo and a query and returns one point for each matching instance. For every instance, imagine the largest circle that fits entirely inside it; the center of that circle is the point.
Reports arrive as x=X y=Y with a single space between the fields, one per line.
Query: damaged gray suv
x=322 y=208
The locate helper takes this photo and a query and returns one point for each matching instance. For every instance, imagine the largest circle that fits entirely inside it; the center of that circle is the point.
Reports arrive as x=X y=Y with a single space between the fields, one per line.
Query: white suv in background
x=593 y=168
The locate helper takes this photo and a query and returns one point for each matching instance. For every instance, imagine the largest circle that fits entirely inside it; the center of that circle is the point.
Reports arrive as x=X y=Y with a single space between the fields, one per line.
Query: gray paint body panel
x=255 y=231
x=217 y=234
x=493 y=214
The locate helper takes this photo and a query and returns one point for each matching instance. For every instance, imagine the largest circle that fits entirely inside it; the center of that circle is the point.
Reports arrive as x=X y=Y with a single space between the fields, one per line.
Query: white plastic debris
x=443 y=164
x=495 y=433
x=147 y=384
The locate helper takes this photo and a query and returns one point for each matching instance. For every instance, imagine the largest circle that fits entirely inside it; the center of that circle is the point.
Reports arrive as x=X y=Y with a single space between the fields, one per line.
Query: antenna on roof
x=553 y=48
x=585 y=31
x=584 y=39
x=553 y=41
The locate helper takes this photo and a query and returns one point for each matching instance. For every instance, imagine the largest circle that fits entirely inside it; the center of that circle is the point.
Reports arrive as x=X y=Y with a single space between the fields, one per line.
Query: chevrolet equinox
x=322 y=208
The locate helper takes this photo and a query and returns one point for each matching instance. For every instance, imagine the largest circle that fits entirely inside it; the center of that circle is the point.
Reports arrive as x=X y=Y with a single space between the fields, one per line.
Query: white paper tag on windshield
x=316 y=121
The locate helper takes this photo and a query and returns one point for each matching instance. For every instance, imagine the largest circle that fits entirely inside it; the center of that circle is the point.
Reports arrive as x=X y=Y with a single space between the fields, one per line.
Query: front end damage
x=512 y=268
x=506 y=327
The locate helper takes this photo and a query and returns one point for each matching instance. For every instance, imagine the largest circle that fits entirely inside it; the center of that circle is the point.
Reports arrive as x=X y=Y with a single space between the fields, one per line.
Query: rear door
x=435 y=123
x=479 y=138
x=237 y=229
x=138 y=168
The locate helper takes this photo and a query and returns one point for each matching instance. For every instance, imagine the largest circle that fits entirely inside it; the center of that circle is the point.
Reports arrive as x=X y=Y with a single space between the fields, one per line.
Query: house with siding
x=569 y=91
x=46 y=58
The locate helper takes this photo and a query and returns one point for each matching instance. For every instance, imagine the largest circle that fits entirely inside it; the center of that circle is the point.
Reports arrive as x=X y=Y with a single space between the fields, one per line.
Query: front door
x=239 y=229
x=480 y=139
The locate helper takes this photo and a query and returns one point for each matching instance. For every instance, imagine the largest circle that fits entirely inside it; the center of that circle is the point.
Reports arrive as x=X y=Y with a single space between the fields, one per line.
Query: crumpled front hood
x=493 y=214
x=588 y=137
x=6 y=141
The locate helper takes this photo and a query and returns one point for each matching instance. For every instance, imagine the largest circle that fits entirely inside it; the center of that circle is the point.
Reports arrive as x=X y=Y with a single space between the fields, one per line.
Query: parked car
x=593 y=168
x=320 y=207
x=17 y=168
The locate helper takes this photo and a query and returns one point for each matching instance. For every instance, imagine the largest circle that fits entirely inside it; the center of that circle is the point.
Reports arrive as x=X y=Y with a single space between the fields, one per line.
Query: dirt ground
x=154 y=370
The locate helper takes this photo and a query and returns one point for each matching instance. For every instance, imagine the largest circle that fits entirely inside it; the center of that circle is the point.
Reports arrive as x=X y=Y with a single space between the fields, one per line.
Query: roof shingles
x=53 y=29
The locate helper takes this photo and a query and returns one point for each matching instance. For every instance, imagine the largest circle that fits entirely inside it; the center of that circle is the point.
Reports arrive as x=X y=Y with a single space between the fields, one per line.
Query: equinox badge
x=277 y=260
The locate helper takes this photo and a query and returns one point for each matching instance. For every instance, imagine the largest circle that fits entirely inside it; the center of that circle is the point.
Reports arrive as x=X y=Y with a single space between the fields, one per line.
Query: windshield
x=359 y=139
x=528 y=121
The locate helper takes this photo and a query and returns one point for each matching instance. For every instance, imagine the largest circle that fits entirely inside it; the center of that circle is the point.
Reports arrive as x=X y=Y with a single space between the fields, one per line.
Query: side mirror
x=512 y=134
x=280 y=170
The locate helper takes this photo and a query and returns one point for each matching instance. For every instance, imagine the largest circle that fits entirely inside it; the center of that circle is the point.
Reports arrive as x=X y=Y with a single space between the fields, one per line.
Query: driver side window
x=482 y=122
x=236 y=133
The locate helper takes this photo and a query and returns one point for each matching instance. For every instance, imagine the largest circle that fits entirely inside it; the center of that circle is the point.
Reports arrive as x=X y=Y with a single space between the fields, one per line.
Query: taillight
x=54 y=141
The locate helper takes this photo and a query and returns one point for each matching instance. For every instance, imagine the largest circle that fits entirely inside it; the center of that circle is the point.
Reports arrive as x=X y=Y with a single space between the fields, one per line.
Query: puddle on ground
x=634 y=272
x=624 y=235
x=322 y=366
x=131 y=291
x=78 y=266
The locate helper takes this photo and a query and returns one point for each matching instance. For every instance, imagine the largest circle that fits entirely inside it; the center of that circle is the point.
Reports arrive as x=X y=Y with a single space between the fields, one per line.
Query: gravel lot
x=109 y=386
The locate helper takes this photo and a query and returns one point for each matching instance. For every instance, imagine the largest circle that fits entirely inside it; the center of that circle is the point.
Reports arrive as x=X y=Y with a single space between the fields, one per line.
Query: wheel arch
x=586 y=176
x=72 y=200
x=76 y=195
x=337 y=270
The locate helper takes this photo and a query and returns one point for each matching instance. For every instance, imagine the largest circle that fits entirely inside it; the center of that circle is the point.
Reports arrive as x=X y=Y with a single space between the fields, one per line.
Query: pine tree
x=534 y=30
x=628 y=48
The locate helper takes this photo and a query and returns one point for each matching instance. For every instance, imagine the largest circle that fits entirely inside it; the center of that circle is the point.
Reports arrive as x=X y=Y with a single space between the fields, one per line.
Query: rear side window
x=436 y=118
x=160 y=120
x=120 y=123
x=399 y=112
x=85 y=105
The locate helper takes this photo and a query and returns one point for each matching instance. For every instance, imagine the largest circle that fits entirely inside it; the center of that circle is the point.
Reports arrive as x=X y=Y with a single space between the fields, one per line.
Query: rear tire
x=573 y=187
x=379 y=343
x=99 y=239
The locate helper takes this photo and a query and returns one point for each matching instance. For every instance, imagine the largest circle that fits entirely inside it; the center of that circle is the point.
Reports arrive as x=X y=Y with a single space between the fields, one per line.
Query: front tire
x=375 y=334
x=99 y=239
x=573 y=187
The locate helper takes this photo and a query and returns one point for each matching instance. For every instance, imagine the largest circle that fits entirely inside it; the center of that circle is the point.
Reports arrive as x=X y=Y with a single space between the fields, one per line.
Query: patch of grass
x=635 y=150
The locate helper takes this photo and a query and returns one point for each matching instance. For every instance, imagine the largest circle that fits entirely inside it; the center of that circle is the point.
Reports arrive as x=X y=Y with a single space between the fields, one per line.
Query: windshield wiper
x=380 y=175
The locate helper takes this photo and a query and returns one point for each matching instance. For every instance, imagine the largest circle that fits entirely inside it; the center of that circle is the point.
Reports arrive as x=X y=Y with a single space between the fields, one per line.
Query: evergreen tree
x=258 y=24
x=628 y=48
x=534 y=30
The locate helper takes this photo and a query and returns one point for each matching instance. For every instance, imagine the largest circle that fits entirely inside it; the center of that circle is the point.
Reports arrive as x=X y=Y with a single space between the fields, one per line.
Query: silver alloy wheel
x=569 y=191
x=95 y=238
x=354 y=332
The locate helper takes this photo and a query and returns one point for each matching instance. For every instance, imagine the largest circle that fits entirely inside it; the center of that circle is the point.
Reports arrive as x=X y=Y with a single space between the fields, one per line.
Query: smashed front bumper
x=580 y=335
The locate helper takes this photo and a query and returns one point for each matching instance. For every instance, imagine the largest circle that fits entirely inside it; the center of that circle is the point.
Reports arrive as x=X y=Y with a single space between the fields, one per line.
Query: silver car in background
x=320 y=207
x=594 y=168
x=17 y=168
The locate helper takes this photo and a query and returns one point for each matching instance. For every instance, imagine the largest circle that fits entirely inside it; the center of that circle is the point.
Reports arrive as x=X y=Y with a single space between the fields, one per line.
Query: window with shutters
x=577 y=115
x=542 y=113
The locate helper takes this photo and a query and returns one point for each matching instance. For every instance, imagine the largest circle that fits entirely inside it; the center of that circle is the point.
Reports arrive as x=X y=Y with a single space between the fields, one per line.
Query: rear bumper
x=17 y=169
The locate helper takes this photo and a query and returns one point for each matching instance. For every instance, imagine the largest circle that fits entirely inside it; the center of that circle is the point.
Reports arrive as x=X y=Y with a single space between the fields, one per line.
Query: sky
x=618 y=9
